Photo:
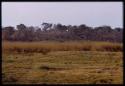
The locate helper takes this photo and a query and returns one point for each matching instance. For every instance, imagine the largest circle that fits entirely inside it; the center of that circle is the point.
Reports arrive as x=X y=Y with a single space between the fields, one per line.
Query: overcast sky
x=74 y=13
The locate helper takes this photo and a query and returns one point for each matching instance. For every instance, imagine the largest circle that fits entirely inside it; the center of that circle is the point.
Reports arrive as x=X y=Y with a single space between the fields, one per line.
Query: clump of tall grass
x=112 y=48
x=45 y=47
x=109 y=47
x=44 y=51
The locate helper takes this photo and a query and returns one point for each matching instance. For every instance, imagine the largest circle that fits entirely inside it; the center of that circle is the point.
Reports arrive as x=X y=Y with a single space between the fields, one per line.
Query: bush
x=87 y=48
x=44 y=51
x=112 y=48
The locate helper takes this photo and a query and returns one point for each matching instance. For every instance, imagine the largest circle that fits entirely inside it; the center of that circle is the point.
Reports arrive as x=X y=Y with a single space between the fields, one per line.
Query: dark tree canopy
x=61 y=32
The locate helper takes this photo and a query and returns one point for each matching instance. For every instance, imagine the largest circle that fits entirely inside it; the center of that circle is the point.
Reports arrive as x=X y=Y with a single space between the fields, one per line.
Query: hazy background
x=73 y=13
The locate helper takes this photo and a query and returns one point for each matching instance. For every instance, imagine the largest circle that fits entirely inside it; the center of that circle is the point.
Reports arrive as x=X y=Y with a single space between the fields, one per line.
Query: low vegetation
x=69 y=62
x=45 y=47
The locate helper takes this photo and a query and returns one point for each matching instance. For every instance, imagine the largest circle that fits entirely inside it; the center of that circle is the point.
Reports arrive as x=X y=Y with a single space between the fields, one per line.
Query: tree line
x=59 y=32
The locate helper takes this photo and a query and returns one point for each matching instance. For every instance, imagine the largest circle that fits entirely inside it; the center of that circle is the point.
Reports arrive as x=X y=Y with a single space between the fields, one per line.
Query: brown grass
x=63 y=67
x=45 y=47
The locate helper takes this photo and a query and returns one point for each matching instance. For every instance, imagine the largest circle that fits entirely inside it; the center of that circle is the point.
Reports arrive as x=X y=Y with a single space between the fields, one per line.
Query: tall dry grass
x=47 y=46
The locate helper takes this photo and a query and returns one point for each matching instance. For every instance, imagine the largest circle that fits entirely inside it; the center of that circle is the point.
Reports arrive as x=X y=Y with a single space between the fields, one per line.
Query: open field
x=62 y=63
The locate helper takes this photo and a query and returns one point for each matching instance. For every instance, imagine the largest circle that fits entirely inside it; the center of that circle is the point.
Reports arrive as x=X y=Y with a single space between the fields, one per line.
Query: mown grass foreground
x=62 y=63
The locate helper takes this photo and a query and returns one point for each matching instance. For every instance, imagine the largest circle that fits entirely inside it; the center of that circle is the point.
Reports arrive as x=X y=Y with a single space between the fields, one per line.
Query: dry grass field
x=62 y=63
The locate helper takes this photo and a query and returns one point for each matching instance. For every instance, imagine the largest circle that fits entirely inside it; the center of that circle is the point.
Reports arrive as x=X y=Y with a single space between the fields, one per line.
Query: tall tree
x=7 y=33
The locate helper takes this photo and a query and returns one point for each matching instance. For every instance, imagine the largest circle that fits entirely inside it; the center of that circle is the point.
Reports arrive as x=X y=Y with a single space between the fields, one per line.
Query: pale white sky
x=73 y=13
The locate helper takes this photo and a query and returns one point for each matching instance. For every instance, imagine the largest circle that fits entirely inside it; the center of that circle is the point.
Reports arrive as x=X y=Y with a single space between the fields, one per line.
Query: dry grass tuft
x=45 y=46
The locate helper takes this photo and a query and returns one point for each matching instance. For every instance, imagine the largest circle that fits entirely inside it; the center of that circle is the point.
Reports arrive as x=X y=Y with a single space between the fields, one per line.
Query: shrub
x=44 y=51
x=112 y=48
x=87 y=48
x=44 y=67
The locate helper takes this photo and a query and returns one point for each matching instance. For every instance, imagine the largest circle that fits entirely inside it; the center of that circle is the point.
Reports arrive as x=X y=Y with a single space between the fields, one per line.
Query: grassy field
x=62 y=63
